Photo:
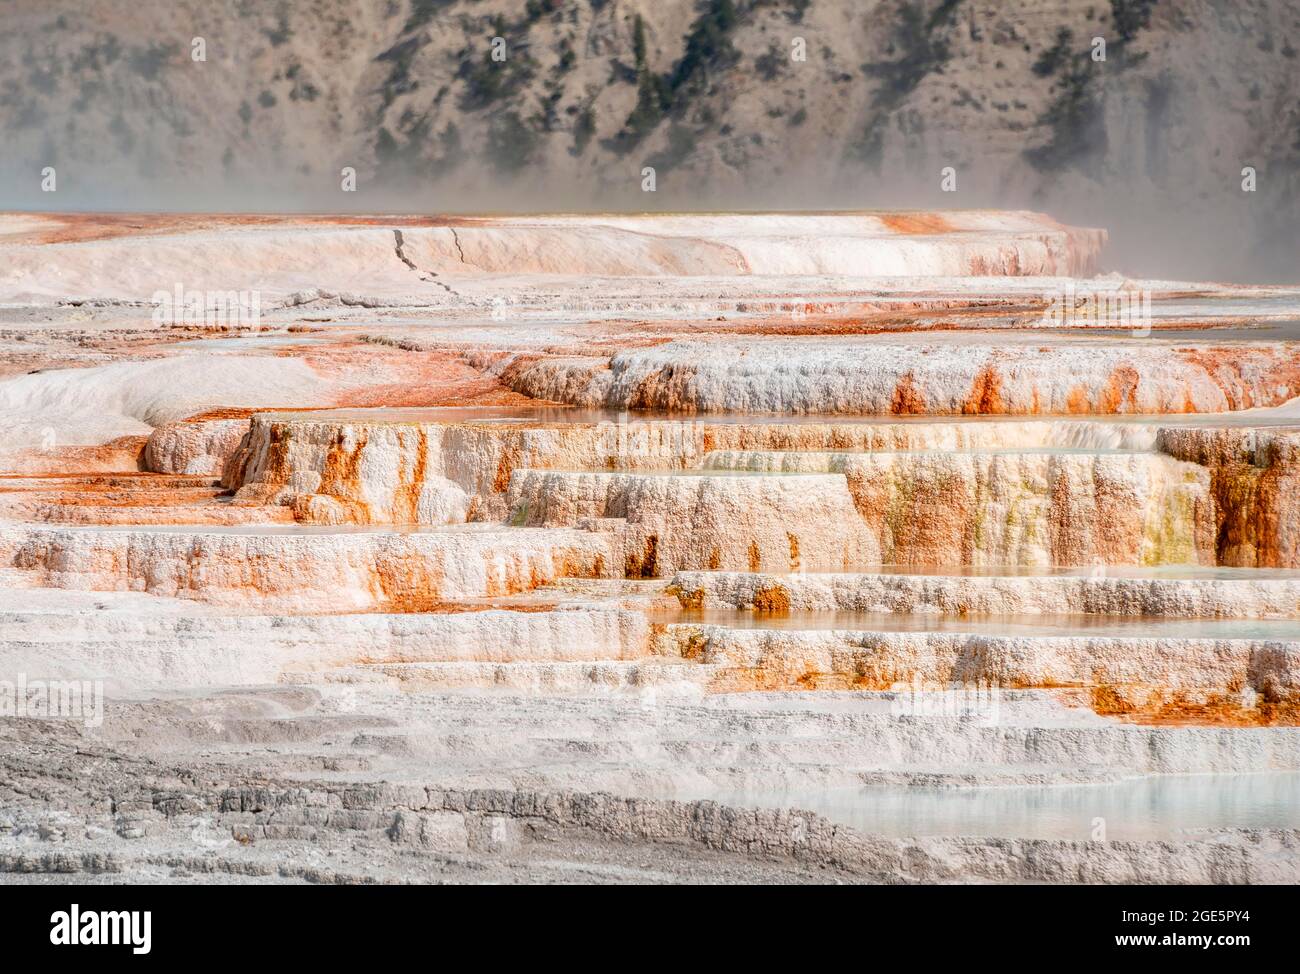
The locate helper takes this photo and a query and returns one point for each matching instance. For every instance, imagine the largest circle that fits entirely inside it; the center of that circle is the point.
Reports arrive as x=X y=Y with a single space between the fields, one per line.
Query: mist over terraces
x=1150 y=142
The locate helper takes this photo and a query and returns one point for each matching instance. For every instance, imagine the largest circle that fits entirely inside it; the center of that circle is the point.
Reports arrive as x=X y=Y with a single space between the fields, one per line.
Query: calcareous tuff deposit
x=703 y=547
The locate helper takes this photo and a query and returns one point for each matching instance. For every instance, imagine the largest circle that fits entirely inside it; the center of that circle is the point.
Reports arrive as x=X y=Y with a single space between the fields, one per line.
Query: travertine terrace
x=702 y=547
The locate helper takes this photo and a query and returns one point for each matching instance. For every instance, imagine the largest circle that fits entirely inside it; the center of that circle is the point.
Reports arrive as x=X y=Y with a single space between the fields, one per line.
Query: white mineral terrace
x=821 y=517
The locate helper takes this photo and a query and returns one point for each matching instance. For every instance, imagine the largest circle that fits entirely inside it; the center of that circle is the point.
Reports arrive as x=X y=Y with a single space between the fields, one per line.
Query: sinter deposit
x=761 y=547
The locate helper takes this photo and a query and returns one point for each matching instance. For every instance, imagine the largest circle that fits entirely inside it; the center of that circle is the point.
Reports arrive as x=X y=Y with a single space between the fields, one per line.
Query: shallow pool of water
x=714 y=460
x=244 y=343
x=1024 y=624
x=292 y=529
x=1153 y=807
x=1086 y=571
x=1282 y=416
x=1282 y=330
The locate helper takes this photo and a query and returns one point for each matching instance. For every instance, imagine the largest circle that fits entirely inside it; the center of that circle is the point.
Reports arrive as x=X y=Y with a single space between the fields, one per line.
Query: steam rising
x=289 y=95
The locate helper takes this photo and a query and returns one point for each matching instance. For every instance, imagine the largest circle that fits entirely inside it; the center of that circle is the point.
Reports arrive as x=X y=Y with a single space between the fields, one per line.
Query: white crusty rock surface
x=641 y=548
x=873 y=377
x=1096 y=593
x=300 y=569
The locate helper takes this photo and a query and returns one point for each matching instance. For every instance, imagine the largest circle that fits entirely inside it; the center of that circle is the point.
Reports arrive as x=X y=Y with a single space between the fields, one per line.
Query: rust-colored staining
x=1131 y=704
x=793 y=676
x=1233 y=370
x=908 y=399
x=643 y=563
x=693 y=646
x=1119 y=394
x=772 y=599
x=1244 y=533
x=579 y=564
x=746 y=680
x=1255 y=491
x=515 y=370
x=278 y=467
x=693 y=600
x=230 y=412
x=916 y=223
x=1108 y=701
x=122 y=455
x=872 y=671
x=406 y=596
x=869 y=496
x=1077 y=402
x=1277 y=505
x=426 y=603
x=1148 y=705
x=1117 y=526
x=830 y=320
x=796 y=562
x=1219 y=710
x=755 y=557
x=1068 y=533
x=808 y=680
x=928 y=525
x=342 y=472
x=986 y=394
x=126 y=498
x=715 y=559
x=406 y=499
x=89 y=227
x=415 y=377
x=657 y=391
x=509 y=459
x=870 y=681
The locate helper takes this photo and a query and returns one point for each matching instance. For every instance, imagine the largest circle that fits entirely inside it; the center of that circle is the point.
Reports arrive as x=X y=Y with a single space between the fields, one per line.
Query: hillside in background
x=1151 y=142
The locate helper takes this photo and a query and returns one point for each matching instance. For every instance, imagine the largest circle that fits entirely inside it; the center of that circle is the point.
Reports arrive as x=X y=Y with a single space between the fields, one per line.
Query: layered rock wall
x=878 y=378
x=1255 y=482
x=320 y=571
x=1018 y=508
x=798 y=523
x=963 y=595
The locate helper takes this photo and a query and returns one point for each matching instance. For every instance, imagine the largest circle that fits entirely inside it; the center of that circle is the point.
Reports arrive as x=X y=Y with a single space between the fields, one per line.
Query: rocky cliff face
x=1151 y=141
